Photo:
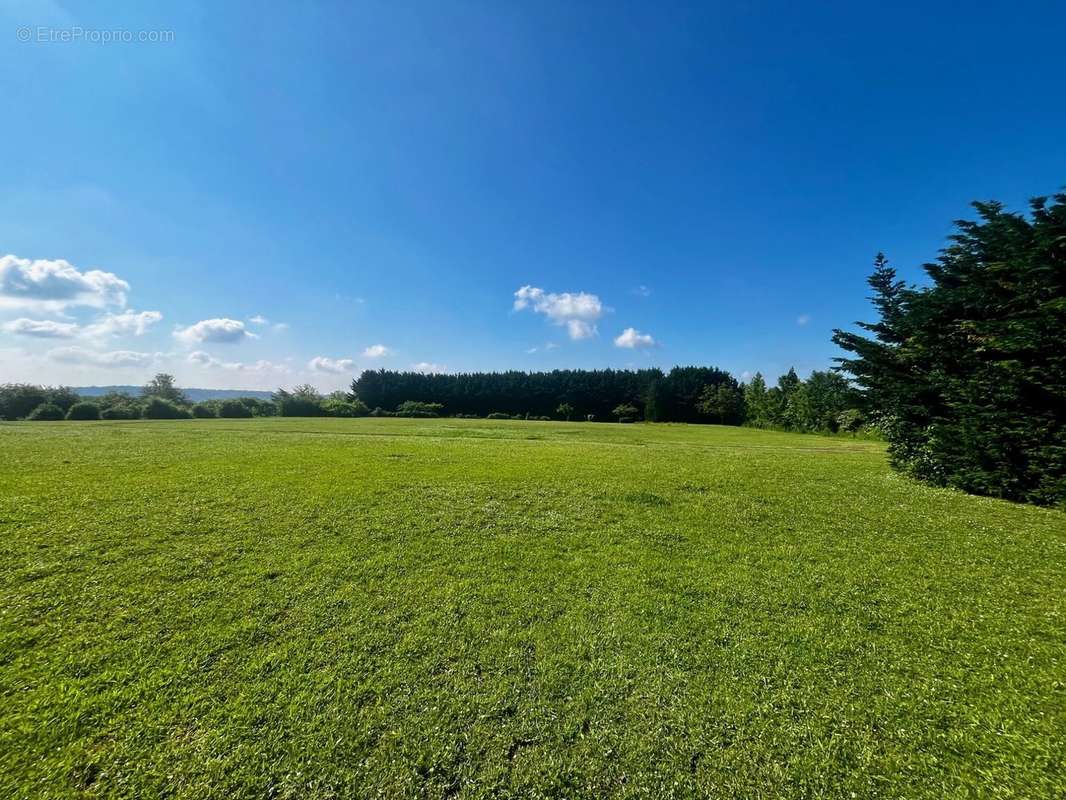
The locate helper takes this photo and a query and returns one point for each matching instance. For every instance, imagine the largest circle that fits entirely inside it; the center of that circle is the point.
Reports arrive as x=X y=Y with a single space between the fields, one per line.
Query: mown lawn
x=459 y=608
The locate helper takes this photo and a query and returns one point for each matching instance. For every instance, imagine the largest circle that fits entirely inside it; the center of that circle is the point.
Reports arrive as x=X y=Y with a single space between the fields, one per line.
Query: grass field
x=438 y=608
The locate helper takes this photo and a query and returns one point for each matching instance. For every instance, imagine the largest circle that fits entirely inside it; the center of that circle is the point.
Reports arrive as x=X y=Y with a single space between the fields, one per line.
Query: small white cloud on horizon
x=258 y=319
x=202 y=359
x=632 y=339
x=803 y=319
x=577 y=311
x=429 y=368
x=41 y=328
x=376 y=351
x=55 y=285
x=222 y=330
x=331 y=366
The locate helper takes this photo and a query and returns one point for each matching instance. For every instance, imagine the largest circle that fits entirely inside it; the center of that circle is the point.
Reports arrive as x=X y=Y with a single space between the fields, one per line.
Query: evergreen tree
x=968 y=375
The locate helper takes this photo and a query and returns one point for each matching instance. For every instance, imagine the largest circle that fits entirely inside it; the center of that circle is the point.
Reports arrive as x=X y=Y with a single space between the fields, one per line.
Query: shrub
x=122 y=411
x=342 y=407
x=416 y=408
x=84 y=411
x=498 y=415
x=46 y=412
x=204 y=411
x=625 y=412
x=234 y=409
x=380 y=412
x=158 y=408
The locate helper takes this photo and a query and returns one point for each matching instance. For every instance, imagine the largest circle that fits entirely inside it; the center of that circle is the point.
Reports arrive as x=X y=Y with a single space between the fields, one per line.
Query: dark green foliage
x=234 y=409
x=339 y=405
x=127 y=410
x=165 y=387
x=17 y=400
x=62 y=396
x=302 y=401
x=968 y=375
x=205 y=410
x=158 y=408
x=723 y=403
x=666 y=397
x=417 y=408
x=84 y=411
x=625 y=412
x=46 y=412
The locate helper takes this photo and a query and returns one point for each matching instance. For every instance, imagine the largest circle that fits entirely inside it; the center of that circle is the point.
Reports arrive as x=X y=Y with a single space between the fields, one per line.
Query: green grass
x=438 y=608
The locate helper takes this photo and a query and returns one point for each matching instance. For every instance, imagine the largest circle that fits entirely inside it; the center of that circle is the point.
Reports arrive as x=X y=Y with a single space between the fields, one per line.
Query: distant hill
x=195 y=395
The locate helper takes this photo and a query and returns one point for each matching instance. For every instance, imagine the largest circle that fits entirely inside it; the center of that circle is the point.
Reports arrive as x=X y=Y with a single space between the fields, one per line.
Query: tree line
x=822 y=403
x=161 y=398
x=825 y=402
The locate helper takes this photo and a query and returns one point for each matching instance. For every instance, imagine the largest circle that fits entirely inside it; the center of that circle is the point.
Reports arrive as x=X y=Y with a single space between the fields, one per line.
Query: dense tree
x=164 y=387
x=540 y=394
x=968 y=375
x=303 y=401
x=565 y=410
x=722 y=403
x=756 y=407
x=18 y=400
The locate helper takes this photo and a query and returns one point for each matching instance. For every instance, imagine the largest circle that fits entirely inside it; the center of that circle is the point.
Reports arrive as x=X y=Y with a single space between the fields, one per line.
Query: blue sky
x=373 y=183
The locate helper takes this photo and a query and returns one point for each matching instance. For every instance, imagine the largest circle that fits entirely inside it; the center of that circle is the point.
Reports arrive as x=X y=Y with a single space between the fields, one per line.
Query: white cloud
x=631 y=339
x=332 y=366
x=128 y=322
x=429 y=367
x=746 y=375
x=56 y=285
x=281 y=326
x=222 y=330
x=579 y=329
x=41 y=328
x=577 y=311
x=112 y=358
x=376 y=351
x=803 y=319
x=258 y=319
x=642 y=291
x=200 y=358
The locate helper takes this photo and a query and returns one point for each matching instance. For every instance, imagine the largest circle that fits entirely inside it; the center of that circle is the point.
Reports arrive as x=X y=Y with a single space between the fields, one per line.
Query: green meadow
x=292 y=608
